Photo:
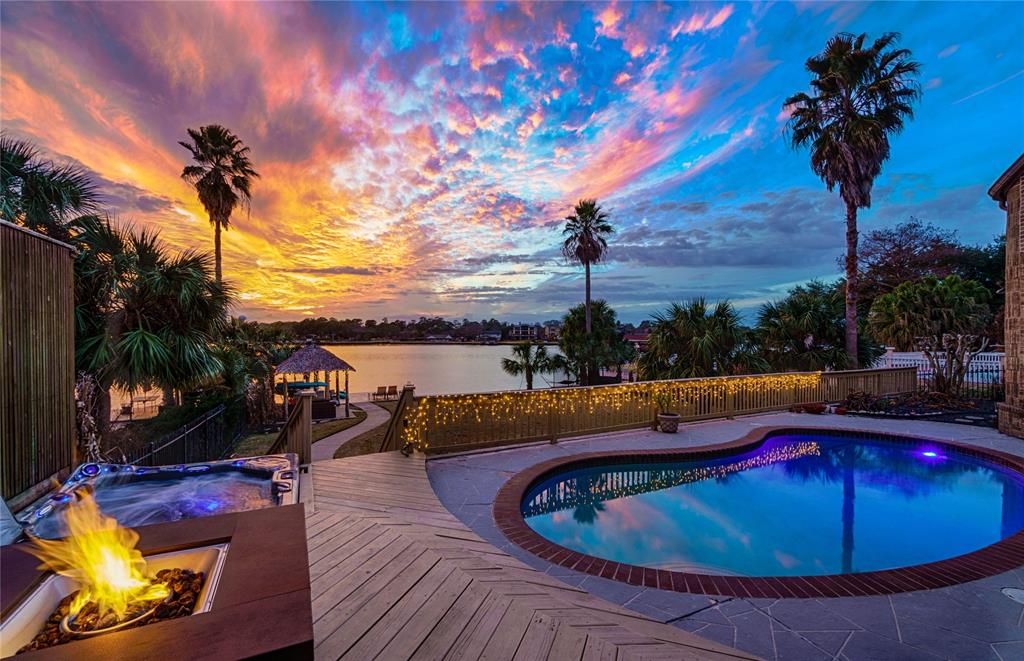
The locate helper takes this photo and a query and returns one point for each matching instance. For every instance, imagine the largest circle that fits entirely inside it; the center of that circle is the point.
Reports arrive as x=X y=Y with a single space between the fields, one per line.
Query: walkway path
x=396 y=576
x=324 y=449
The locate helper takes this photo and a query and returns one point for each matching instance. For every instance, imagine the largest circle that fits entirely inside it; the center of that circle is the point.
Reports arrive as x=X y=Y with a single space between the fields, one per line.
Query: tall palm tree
x=586 y=235
x=40 y=194
x=222 y=176
x=692 y=339
x=860 y=96
x=527 y=359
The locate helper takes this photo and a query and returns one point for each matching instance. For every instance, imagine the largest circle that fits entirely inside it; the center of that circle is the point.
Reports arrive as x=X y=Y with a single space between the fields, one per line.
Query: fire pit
x=239 y=613
x=37 y=615
x=102 y=583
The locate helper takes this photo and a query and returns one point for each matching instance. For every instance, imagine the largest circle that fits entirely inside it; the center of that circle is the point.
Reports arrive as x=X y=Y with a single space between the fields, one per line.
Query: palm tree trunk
x=586 y=298
x=103 y=410
x=168 y=396
x=851 y=284
x=587 y=376
x=528 y=373
x=216 y=248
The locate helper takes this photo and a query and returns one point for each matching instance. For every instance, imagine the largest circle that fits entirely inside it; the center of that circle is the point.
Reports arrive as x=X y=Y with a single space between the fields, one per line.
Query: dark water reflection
x=798 y=505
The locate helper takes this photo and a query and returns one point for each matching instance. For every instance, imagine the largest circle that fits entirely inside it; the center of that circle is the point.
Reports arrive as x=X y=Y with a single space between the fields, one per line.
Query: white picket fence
x=986 y=368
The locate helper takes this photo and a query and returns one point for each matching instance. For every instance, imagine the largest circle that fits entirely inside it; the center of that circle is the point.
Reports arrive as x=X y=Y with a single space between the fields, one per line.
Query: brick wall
x=1011 y=413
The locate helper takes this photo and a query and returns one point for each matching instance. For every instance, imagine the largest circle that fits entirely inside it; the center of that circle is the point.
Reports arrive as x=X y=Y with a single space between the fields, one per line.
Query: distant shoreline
x=430 y=342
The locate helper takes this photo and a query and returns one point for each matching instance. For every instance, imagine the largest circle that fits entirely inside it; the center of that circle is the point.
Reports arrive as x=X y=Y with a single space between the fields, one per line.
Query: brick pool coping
x=988 y=561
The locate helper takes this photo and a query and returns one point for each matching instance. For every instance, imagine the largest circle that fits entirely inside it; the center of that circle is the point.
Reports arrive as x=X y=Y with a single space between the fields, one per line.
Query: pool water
x=798 y=505
x=143 y=502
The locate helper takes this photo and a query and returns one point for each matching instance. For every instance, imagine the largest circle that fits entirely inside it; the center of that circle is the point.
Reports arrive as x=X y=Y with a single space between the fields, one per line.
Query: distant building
x=490 y=337
x=638 y=338
x=525 y=332
x=552 y=331
x=1008 y=191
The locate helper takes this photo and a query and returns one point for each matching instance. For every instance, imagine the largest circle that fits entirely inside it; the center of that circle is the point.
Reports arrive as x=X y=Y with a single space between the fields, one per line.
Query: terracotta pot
x=669 y=422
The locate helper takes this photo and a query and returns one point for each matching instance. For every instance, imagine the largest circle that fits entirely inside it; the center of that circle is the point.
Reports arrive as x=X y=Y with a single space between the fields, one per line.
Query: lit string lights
x=484 y=417
x=588 y=490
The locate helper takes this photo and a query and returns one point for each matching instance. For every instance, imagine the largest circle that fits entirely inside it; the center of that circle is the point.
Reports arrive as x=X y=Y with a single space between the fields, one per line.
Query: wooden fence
x=37 y=361
x=452 y=423
x=297 y=434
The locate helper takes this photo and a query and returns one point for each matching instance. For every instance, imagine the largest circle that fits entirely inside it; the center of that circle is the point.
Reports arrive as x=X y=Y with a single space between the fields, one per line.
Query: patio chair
x=381 y=393
x=392 y=392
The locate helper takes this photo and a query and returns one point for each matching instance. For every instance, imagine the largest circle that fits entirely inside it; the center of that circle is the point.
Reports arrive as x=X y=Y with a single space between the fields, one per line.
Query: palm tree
x=602 y=346
x=527 y=359
x=222 y=176
x=860 y=97
x=805 y=330
x=40 y=194
x=691 y=340
x=586 y=242
x=143 y=317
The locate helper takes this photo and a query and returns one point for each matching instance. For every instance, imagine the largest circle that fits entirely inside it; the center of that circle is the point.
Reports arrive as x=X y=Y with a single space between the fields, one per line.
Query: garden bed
x=927 y=405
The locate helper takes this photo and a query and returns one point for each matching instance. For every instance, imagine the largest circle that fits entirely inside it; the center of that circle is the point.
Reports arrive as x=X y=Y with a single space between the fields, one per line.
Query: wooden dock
x=396 y=576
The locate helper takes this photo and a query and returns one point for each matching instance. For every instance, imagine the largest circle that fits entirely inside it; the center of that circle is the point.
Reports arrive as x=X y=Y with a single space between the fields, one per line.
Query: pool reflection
x=798 y=505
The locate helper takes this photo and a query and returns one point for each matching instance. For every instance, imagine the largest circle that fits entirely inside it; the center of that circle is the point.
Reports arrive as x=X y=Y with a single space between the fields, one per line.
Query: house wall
x=1011 y=412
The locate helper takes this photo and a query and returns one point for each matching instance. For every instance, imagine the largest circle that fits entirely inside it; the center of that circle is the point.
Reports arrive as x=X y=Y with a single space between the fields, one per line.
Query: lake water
x=435 y=369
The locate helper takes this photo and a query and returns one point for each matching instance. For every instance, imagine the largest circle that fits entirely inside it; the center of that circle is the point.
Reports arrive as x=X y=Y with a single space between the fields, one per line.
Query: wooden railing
x=452 y=423
x=393 y=435
x=297 y=434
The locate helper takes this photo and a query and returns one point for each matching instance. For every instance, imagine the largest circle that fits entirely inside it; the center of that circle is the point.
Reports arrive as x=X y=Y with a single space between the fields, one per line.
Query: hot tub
x=143 y=495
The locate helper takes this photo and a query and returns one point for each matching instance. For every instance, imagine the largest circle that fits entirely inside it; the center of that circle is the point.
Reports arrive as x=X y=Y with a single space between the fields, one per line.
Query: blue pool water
x=797 y=505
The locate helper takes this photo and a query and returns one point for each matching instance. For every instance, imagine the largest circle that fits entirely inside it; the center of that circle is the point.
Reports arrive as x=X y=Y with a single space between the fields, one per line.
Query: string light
x=572 y=492
x=441 y=416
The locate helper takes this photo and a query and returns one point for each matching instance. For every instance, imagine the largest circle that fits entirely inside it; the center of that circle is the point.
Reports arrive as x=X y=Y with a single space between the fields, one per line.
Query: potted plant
x=668 y=422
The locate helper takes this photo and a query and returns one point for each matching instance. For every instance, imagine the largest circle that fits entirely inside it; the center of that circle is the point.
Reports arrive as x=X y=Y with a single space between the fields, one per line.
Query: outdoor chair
x=392 y=392
x=381 y=393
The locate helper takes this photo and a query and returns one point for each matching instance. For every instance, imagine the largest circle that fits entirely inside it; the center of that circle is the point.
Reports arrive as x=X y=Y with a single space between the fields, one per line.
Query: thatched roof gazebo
x=311 y=360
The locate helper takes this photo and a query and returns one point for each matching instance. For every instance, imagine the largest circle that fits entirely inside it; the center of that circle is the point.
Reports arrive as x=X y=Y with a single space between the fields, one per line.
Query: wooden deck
x=396 y=576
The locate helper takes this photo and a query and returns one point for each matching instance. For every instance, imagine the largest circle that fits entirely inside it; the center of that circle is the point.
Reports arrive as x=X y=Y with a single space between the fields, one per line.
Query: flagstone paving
x=964 y=622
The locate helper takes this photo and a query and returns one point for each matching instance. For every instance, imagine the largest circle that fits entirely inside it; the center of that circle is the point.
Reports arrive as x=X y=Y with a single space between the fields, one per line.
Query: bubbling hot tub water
x=139 y=496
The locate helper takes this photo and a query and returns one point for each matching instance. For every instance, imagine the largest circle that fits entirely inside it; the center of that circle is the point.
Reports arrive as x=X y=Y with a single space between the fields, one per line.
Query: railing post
x=394 y=431
x=553 y=422
x=305 y=430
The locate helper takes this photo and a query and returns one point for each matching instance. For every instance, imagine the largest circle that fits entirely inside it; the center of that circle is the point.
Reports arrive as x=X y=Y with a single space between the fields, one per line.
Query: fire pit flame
x=101 y=556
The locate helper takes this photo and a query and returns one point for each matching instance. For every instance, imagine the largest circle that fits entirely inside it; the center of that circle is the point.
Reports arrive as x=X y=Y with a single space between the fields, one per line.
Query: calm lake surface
x=435 y=369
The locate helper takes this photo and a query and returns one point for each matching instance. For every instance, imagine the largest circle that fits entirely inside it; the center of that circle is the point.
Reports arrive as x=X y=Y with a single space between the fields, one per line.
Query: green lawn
x=370 y=440
x=257 y=444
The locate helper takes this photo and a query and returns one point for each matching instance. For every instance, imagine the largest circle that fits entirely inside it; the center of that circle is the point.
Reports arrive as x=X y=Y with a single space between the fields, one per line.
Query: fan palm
x=222 y=176
x=586 y=235
x=602 y=346
x=143 y=317
x=40 y=194
x=692 y=340
x=860 y=96
x=805 y=330
x=527 y=359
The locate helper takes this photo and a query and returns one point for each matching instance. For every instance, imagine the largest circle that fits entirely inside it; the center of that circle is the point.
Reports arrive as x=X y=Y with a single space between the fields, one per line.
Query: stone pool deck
x=968 y=621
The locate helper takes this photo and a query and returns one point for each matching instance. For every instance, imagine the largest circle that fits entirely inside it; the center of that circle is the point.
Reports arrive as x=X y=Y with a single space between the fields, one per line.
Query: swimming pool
x=798 y=504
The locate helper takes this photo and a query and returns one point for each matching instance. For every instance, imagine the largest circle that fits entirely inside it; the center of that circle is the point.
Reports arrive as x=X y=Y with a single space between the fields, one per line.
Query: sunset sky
x=417 y=159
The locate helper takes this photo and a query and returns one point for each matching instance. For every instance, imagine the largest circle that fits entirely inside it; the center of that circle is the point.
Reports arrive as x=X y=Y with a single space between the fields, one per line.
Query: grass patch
x=257 y=444
x=325 y=429
x=369 y=441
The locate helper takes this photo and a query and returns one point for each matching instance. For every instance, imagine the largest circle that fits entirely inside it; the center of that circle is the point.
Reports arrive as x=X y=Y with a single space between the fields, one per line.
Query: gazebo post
x=337 y=385
x=285 y=378
x=347 y=398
